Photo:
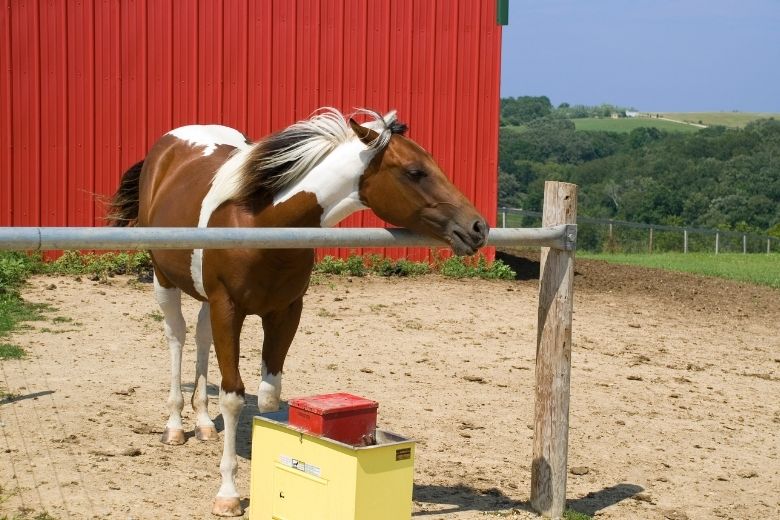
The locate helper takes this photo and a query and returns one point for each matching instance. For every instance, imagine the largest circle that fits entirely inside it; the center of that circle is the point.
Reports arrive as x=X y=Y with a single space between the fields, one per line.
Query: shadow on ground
x=438 y=500
x=598 y=500
x=524 y=268
x=15 y=398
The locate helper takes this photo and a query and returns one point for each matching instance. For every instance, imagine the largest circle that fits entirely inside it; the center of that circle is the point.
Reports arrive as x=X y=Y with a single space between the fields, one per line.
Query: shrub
x=14 y=269
x=459 y=267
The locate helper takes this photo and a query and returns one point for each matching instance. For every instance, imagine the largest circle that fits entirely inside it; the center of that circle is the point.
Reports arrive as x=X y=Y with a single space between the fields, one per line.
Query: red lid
x=330 y=403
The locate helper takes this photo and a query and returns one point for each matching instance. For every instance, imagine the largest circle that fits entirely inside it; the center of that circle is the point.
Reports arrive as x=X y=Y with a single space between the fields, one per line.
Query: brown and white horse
x=312 y=174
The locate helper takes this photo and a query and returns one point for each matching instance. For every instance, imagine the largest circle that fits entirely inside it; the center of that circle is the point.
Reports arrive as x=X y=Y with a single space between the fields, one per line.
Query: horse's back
x=178 y=170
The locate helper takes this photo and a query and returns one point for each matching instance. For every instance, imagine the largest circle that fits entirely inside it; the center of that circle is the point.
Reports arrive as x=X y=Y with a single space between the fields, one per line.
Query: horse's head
x=404 y=186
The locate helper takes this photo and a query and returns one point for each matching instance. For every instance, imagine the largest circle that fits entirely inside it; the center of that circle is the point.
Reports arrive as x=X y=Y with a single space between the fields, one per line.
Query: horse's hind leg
x=204 y=426
x=279 y=330
x=169 y=300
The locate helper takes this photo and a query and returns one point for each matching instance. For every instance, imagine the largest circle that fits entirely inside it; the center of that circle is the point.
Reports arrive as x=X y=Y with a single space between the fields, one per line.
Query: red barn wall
x=86 y=86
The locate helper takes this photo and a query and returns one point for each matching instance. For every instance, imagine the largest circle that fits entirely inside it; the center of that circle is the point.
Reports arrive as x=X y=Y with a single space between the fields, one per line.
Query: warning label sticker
x=300 y=465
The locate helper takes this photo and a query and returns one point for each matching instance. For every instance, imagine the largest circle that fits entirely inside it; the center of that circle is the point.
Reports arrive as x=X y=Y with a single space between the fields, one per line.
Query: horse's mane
x=279 y=160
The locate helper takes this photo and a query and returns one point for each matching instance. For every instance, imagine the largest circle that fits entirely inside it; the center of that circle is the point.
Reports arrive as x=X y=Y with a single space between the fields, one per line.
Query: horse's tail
x=123 y=207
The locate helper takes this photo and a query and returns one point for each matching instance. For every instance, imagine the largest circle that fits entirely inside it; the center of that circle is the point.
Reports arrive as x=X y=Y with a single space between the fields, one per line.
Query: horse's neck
x=335 y=182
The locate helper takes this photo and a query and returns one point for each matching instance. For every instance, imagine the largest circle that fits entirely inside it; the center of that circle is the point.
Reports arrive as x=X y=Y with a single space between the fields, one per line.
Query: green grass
x=14 y=310
x=571 y=514
x=760 y=269
x=8 y=351
x=624 y=125
x=730 y=119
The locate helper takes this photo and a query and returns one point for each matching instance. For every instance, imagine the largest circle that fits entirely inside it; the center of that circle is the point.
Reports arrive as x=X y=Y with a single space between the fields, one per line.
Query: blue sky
x=655 y=55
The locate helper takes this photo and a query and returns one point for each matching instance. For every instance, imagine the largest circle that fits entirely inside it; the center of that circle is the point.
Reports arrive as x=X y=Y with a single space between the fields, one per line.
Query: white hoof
x=227 y=507
x=206 y=433
x=267 y=403
x=173 y=437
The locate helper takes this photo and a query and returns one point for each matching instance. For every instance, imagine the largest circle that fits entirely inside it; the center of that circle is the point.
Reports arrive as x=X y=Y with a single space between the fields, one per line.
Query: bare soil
x=675 y=405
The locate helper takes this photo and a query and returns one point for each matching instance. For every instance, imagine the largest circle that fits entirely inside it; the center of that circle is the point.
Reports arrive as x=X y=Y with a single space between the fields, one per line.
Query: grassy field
x=731 y=119
x=628 y=124
x=760 y=269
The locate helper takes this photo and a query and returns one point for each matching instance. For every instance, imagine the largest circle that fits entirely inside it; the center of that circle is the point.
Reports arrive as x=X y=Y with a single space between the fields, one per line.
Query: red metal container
x=342 y=417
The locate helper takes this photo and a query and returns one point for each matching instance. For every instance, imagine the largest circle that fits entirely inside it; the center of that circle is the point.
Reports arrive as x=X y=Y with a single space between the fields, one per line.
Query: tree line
x=717 y=177
x=516 y=111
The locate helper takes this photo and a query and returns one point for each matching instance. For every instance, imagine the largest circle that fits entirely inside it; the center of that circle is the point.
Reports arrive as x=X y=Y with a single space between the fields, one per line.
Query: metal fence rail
x=598 y=234
x=561 y=237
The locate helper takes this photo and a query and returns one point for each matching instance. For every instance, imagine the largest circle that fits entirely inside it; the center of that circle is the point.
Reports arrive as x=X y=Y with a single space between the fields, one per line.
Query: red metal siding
x=86 y=86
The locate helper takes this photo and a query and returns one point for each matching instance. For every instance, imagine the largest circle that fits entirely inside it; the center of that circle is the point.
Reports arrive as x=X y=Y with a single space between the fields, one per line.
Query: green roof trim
x=502 y=12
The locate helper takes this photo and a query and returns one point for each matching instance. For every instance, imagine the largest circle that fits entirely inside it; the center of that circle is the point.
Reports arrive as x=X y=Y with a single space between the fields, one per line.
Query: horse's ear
x=366 y=135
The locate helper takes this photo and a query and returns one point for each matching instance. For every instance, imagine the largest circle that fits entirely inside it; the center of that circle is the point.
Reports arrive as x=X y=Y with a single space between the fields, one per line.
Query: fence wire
x=617 y=236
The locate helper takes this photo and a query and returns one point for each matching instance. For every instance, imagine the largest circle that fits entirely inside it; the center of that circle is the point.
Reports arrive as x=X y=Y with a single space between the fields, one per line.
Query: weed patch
x=455 y=267
x=99 y=267
x=459 y=267
x=8 y=351
x=14 y=310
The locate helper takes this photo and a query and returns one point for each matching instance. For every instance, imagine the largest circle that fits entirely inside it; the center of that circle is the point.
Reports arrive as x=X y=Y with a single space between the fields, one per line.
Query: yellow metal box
x=299 y=476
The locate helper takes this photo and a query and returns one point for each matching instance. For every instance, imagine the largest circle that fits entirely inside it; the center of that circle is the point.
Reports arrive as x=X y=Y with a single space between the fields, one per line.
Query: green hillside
x=626 y=124
x=729 y=119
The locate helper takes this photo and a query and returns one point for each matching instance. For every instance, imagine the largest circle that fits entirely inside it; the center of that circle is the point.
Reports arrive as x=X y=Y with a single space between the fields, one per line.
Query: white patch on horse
x=209 y=136
x=224 y=186
x=230 y=404
x=269 y=391
x=335 y=182
x=169 y=301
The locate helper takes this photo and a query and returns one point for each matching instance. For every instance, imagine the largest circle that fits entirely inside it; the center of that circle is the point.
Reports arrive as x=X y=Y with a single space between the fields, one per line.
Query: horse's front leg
x=204 y=426
x=169 y=299
x=226 y=325
x=279 y=330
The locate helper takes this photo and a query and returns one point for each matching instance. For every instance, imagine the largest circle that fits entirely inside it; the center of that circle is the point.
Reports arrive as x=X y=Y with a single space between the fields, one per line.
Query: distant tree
x=509 y=193
x=521 y=110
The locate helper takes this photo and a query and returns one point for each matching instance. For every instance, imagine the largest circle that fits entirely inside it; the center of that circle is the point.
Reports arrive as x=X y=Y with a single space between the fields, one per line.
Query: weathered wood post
x=685 y=240
x=553 y=358
x=717 y=242
x=744 y=244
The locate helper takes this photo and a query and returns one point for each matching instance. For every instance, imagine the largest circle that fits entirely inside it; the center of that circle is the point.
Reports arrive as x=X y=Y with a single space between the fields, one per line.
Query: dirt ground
x=675 y=395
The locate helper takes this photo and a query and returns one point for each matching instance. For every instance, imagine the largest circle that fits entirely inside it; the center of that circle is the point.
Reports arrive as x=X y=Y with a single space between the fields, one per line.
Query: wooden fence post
x=650 y=243
x=685 y=240
x=553 y=359
x=744 y=244
x=717 y=242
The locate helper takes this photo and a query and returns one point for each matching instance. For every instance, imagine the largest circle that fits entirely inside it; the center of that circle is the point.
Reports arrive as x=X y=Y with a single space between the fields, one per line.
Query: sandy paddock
x=675 y=403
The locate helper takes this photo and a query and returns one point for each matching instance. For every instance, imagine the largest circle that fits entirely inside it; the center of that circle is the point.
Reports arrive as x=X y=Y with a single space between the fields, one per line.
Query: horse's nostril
x=479 y=227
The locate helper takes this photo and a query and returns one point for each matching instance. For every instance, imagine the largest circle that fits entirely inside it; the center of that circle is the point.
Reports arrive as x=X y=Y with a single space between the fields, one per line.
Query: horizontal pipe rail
x=562 y=237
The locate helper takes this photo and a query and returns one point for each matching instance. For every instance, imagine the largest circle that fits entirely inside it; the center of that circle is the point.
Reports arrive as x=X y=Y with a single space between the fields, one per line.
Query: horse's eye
x=416 y=175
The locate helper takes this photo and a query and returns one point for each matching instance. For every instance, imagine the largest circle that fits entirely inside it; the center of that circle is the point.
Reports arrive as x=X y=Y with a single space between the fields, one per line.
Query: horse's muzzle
x=465 y=240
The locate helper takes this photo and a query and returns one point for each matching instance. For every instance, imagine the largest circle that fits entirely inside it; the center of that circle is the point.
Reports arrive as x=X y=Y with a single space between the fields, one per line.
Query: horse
x=313 y=173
